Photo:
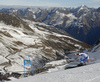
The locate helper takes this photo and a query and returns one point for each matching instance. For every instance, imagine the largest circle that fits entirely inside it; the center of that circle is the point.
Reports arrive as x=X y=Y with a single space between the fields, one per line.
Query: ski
x=73 y=66
x=79 y=65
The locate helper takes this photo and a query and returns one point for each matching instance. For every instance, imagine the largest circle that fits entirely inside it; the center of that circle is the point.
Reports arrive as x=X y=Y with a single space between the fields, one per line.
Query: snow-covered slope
x=95 y=50
x=90 y=73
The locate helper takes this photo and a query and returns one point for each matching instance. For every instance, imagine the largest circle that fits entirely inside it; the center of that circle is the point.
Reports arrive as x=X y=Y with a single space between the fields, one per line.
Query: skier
x=83 y=60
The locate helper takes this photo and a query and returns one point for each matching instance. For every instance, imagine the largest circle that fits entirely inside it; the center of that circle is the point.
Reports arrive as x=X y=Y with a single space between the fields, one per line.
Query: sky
x=52 y=3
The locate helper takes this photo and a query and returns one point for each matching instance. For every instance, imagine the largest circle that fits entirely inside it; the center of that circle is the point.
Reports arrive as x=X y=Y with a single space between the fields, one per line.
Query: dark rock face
x=89 y=32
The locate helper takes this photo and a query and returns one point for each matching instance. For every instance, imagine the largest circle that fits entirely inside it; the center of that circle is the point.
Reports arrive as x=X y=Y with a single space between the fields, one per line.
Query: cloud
x=96 y=0
x=45 y=3
x=51 y=3
x=30 y=2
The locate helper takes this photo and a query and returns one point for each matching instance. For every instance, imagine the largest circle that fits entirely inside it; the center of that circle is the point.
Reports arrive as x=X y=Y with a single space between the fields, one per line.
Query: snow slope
x=88 y=73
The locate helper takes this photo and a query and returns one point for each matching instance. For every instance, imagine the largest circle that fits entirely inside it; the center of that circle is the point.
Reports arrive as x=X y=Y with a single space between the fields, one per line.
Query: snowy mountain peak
x=83 y=7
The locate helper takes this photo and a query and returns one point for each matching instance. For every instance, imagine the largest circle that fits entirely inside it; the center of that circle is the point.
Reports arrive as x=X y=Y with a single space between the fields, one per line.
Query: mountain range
x=47 y=34
x=83 y=23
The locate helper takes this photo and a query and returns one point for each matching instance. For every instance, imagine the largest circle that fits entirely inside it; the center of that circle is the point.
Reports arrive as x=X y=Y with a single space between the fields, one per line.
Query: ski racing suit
x=85 y=59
